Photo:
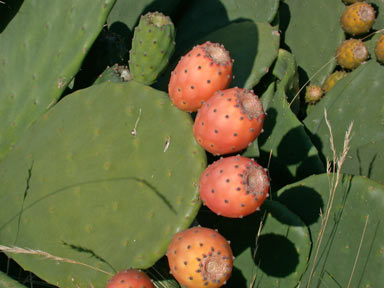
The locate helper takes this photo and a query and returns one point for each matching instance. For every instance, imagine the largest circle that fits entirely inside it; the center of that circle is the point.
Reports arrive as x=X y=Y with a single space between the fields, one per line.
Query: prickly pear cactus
x=312 y=40
x=344 y=105
x=354 y=234
x=113 y=179
x=29 y=85
x=153 y=44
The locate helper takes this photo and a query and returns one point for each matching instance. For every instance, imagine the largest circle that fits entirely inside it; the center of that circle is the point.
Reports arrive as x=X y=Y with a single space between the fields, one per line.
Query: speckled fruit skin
x=200 y=257
x=313 y=94
x=130 y=278
x=234 y=186
x=202 y=71
x=379 y=49
x=351 y=53
x=229 y=121
x=358 y=18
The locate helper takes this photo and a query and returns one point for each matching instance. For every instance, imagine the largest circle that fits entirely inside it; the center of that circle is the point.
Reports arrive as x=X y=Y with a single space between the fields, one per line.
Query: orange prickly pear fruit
x=200 y=257
x=358 y=18
x=229 y=121
x=130 y=278
x=351 y=53
x=200 y=73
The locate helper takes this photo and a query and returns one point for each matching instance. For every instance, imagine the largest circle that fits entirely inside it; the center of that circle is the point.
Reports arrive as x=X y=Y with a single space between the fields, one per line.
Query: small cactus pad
x=97 y=180
x=351 y=53
x=332 y=80
x=153 y=44
x=379 y=49
x=358 y=18
x=313 y=94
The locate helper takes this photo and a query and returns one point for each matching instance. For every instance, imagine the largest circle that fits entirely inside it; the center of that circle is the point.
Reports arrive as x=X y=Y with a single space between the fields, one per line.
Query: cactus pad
x=358 y=203
x=62 y=31
x=358 y=97
x=114 y=178
x=152 y=45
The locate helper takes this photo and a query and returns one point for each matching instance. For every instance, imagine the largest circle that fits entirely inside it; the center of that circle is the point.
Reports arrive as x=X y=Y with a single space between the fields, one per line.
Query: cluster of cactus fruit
x=356 y=21
x=141 y=155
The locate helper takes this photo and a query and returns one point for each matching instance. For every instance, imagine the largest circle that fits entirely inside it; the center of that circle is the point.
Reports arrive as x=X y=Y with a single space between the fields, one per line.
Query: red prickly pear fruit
x=234 y=186
x=202 y=71
x=229 y=121
x=130 y=278
x=200 y=257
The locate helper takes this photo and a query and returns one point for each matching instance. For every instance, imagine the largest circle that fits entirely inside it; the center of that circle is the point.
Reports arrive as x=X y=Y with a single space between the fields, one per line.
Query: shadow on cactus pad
x=276 y=255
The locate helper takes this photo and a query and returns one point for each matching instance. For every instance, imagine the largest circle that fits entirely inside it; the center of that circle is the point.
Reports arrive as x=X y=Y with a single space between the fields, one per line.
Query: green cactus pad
x=312 y=40
x=52 y=39
x=209 y=16
x=153 y=44
x=105 y=178
x=8 y=282
x=287 y=157
x=284 y=244
x=358 y=201
x=285 y=69
x=358 y=97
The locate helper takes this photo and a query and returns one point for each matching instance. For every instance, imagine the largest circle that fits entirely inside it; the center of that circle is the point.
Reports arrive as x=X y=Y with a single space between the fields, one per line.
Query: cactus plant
x=99 y=172
x=30 y=90
x=105 y=172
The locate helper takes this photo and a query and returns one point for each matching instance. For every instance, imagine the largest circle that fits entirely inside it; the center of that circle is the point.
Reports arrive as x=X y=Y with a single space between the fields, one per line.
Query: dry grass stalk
x=46 y=255
x=334 y=171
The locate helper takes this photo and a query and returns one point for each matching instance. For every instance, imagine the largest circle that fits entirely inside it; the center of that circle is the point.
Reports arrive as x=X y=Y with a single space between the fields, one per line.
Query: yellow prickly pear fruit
x=313 y=94
x=351 y=53
x=379 y=49
x=332 y=80
x=358 y=18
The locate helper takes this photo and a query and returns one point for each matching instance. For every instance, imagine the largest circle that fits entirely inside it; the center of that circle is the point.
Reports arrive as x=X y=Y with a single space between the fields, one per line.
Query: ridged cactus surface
x=310 y=38
x=354 y=233
x=60 y=31
x=106 y=178
x=358 y=98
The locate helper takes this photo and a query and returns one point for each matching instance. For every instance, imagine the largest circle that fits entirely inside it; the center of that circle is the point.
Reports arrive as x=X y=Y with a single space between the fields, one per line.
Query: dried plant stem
x=336 y=165
x=358 y=251
x=46 y=255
